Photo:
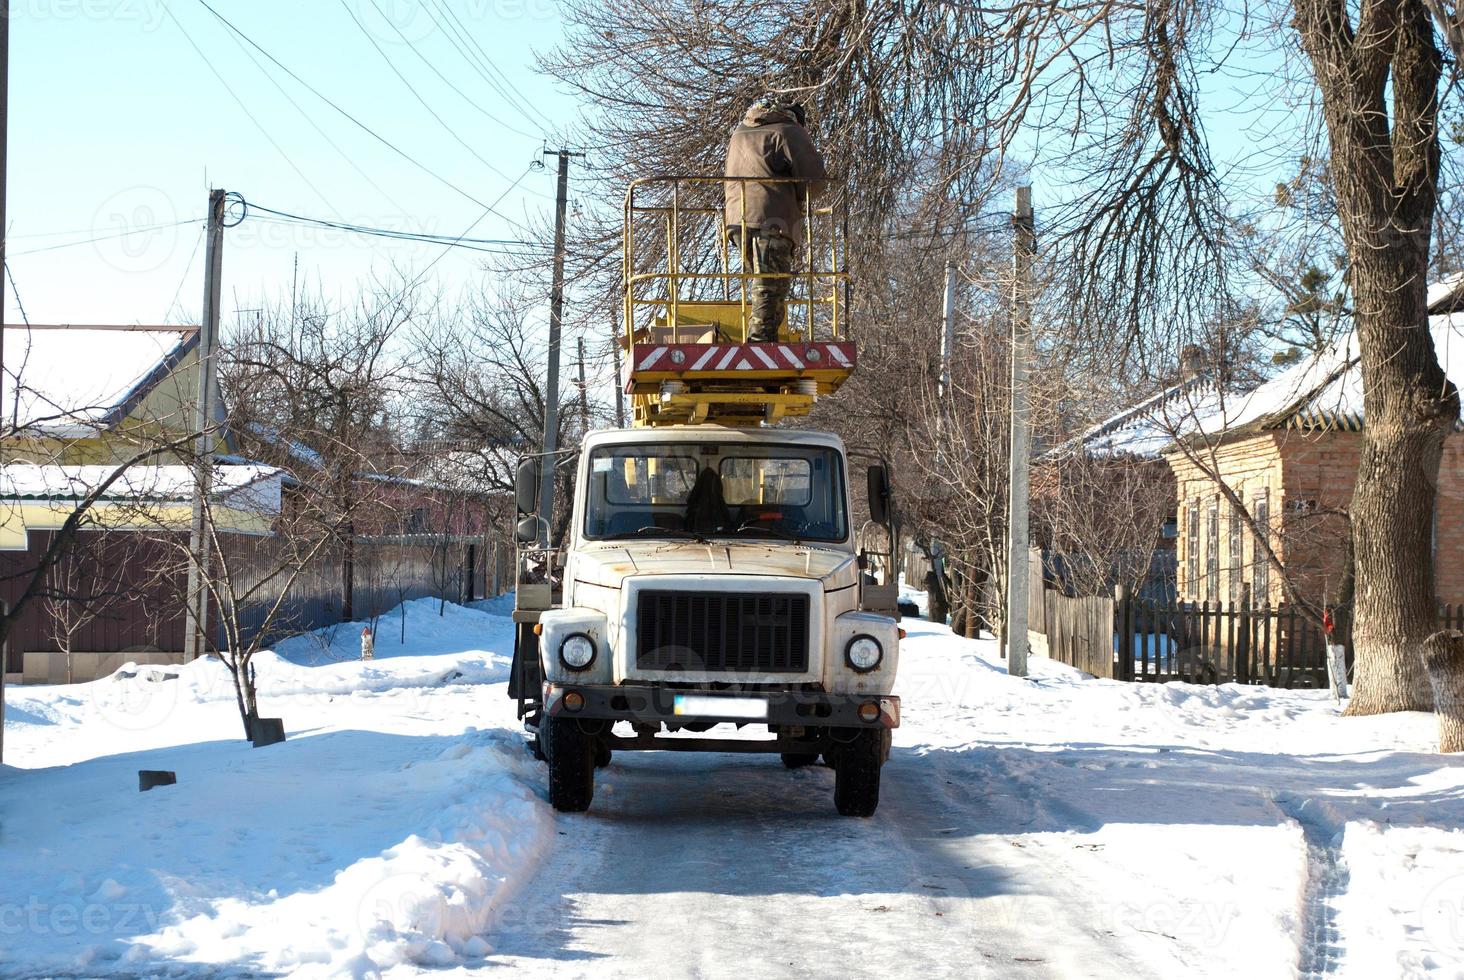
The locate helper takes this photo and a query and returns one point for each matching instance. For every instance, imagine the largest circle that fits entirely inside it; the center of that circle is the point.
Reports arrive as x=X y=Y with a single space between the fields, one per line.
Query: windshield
x=670 y=490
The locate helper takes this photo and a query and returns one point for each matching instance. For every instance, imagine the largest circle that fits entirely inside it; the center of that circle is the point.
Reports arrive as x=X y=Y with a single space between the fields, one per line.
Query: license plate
x=741 y=708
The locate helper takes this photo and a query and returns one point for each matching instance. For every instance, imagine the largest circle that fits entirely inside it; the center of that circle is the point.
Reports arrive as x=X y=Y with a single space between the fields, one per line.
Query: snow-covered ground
x=1057 y=826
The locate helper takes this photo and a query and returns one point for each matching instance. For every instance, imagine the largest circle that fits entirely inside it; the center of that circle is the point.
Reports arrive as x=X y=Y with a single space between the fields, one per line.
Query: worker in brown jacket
x=770 y=142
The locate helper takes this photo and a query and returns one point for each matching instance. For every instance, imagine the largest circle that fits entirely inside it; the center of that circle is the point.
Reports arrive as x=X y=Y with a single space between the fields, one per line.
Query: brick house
x=1113 y=475
x=1289 y=450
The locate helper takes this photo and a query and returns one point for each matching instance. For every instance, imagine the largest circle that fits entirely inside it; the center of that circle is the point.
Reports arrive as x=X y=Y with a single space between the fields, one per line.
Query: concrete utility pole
x=195 y=642
x=619 y=387
x=584 y=392
x=4 y=139
x=556 y=315
x=4 y=163
x=948 y=336
x=1024 y=250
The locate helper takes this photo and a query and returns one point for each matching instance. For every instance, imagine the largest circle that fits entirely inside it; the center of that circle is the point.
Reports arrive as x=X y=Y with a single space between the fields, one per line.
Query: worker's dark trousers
x=767 y=298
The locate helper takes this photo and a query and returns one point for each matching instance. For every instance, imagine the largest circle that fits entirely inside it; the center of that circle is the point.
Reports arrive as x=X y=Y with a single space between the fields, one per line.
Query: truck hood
x=608 y=565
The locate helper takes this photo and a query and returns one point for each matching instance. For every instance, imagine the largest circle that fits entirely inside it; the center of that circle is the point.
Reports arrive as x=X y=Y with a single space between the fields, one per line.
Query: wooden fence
x=1131 y=639
x=1079 y=631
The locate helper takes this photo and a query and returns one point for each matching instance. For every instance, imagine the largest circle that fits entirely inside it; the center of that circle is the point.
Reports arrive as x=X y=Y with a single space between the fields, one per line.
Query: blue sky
x=117 y=123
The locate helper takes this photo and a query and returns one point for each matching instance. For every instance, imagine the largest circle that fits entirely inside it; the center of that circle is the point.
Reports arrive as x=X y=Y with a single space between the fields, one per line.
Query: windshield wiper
x=776 y=531
x=655 y=531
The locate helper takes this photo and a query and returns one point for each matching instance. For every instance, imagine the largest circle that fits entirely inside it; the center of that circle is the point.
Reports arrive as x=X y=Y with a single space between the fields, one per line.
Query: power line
x=107 y=238
x=186 y=269
x=461 y=41
x=358 y=123
x=351 y=160
x=286 y=217
x=466 y=231
x=518 y=99
x=447 y=81
x=235 y=96
x=415 y=94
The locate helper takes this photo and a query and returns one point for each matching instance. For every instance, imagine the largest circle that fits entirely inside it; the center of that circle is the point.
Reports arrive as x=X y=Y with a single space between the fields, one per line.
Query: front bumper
x=649 y=705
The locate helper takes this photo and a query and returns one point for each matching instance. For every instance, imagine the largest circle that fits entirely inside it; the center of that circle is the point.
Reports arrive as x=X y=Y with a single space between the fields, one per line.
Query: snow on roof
x=1444 y=295
x=253 y=486
x=1147 y=428
x=74 y=380
x=1325 y=391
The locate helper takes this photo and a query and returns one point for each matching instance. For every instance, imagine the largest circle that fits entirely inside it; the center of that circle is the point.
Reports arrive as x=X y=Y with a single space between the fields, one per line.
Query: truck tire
x=571 y=765
x=797 y=760
x=603 y=754
x=856 y=773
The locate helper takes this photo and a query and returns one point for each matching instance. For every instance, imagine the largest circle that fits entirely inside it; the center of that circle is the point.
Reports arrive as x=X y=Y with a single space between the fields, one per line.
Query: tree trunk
x=1379 y=83
x=348 y=573
x=1444 y=658
x=938 y=609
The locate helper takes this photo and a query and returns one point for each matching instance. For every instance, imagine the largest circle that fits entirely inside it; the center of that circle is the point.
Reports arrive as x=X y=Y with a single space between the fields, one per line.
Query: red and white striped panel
x=682 y=358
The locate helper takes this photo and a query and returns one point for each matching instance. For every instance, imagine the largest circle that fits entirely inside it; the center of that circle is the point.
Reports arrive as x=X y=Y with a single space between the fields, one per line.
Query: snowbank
x=391 y=828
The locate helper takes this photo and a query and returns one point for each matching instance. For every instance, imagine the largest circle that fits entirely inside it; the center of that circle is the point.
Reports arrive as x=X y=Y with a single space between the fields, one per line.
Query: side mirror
x=879 y=495
x=526 y=531
x=526 y=487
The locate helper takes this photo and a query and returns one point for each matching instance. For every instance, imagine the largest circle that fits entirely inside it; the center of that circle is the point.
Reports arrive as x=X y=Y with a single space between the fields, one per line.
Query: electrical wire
x=466 y=232
x=107 y=238
x=186 y=269
x=252 y=118
x=518 y=99
x=447 y=81
x=463 y=41
x=287 y=217
x=415 y=94
x=350 y=160
x=358 y=123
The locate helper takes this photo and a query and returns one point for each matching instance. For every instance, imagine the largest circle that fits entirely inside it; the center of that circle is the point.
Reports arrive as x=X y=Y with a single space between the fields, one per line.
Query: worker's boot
x=763 y=334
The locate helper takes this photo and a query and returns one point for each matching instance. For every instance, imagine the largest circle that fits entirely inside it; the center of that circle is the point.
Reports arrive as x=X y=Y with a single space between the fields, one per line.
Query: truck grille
x=722 y=632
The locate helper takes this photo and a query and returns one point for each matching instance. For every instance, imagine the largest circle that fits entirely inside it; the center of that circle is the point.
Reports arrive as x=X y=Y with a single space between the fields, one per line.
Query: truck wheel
x=856 y=773
x=571 y=765
x=602 y=754
x=797 y=760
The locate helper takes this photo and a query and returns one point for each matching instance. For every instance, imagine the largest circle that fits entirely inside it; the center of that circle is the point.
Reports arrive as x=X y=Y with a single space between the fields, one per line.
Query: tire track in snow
x=1326 y=880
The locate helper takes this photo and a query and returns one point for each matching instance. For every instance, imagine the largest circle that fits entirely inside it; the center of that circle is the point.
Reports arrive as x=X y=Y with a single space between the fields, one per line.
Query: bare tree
x=1110 y=93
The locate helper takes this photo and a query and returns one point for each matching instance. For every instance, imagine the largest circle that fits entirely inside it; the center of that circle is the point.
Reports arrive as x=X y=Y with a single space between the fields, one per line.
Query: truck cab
x=712 y=591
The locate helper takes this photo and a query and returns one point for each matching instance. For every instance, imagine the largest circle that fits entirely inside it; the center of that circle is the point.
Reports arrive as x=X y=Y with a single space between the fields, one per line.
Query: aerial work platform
x=687 y=306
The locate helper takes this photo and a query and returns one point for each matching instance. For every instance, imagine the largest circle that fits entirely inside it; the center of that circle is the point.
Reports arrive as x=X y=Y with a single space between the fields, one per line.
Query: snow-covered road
x=1056 y=826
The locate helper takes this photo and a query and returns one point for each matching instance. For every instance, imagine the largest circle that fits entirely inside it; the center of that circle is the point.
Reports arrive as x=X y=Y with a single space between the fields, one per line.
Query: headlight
x=863 y=653
x=577 y=651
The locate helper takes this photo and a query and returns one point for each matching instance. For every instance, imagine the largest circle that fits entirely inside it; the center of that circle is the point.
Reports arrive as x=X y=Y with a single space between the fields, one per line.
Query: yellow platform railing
x=679 y=280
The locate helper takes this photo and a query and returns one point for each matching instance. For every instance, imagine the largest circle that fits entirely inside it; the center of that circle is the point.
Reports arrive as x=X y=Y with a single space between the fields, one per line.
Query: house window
x=1192 y=550
x=1212 y=552
x=1236 y=569
x=1261 y=570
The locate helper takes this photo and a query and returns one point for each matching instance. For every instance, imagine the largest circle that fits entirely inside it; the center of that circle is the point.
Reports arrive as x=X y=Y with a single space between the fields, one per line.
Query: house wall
x=1304 y=477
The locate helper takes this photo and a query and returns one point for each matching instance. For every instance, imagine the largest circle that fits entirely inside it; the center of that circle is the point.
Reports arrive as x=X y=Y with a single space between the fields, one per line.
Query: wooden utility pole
x=195 y=642
x=1024 y=250
x=556 y=316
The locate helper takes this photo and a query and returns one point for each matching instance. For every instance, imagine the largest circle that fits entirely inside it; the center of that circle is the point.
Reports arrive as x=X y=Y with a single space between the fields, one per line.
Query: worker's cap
x=782 y=102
